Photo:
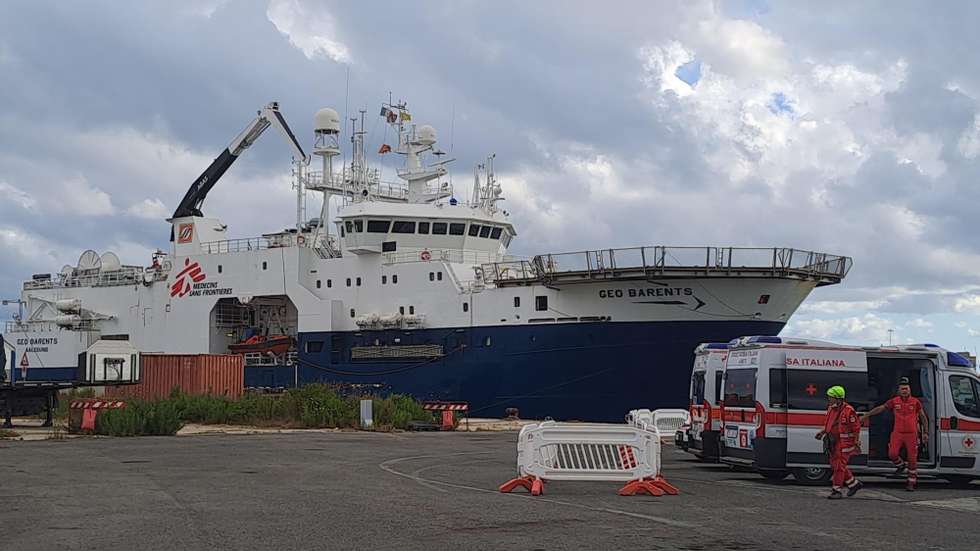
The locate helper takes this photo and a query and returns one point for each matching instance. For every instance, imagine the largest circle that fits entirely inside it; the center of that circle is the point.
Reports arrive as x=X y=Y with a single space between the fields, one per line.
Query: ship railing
x=125 y=275
x=345 y=182
x=452 y=256
x=666 y=260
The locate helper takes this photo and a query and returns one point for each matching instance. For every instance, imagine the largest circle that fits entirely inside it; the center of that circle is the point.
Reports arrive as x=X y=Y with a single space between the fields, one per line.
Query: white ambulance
x=774 y=402
x=701 y=436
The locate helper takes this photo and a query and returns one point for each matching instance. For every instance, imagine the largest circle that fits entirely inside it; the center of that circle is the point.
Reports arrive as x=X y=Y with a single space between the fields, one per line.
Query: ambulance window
x=964 y=395
x=777 y=388
x=807 y=389
x=697 y=387
x=718 y=377
x=740 y=388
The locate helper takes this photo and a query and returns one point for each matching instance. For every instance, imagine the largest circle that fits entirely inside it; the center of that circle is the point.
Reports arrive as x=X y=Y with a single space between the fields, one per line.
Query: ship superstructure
x=408 y=288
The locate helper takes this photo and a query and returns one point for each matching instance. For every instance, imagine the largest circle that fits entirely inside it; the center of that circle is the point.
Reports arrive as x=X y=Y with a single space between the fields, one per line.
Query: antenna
x=452 y=129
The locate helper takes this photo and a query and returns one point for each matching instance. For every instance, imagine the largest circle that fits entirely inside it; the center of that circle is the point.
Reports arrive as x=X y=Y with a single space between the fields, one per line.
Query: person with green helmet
x=842 y=439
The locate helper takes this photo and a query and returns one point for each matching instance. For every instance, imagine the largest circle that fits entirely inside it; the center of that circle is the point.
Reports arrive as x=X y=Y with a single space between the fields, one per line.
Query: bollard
x=367 y=414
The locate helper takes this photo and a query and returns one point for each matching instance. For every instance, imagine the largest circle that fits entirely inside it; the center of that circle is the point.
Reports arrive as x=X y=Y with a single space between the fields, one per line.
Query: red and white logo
x=425 y=256
x=192 y=273
x=969 y=442
x=185 y=233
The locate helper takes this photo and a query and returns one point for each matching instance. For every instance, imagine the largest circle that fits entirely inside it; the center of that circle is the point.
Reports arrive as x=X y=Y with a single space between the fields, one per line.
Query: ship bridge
x=663 y=262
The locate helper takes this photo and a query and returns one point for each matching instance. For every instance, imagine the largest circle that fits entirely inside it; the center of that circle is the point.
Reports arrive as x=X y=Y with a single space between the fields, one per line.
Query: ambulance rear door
x=960 y=423
x=810 y=371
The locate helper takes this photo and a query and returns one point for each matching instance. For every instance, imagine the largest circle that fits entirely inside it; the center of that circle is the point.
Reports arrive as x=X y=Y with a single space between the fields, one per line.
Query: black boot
x=835 y=494
x=853 y=488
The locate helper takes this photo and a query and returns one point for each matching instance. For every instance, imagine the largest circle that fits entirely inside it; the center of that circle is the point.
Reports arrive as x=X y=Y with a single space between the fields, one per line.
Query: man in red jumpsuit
x=842 y=435
x=910 y=417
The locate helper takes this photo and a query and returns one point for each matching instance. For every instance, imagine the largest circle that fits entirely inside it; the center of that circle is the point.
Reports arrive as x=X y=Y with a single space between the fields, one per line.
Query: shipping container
x=216 y=374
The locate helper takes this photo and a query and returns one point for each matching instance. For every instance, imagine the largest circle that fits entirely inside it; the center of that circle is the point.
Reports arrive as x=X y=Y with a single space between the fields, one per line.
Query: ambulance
x=774 y=403
x=701 y=436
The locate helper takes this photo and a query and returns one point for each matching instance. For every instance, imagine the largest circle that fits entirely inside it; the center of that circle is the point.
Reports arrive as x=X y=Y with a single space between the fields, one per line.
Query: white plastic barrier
x=669 y=420
x=573 y=451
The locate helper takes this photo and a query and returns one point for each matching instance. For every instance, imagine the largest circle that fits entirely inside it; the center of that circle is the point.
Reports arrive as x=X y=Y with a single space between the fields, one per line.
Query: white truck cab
x=701 y=437
x=774 y=403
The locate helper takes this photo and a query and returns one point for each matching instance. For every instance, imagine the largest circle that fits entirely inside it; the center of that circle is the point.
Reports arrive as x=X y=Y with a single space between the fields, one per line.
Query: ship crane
x=269 y=115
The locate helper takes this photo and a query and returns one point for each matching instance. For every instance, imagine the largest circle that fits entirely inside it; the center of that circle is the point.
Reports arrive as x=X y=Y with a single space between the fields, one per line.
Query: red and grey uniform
x=844 y=427
x=905 y=434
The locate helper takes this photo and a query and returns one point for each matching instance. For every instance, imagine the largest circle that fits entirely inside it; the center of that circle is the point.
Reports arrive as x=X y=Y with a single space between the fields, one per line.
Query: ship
x=407 y=286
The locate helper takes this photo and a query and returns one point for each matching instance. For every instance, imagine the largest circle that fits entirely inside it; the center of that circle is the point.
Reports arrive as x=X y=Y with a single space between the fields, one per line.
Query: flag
x=391 y=117
x=384 y=111
x=405 y=116
x=385 y=148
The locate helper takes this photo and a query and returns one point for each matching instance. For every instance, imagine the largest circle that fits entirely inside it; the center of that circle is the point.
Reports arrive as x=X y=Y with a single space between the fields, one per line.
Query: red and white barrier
x=578 y=452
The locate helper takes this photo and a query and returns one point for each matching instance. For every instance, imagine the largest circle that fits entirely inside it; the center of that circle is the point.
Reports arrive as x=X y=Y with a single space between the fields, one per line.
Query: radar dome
x=426 y=135
x=326 y=120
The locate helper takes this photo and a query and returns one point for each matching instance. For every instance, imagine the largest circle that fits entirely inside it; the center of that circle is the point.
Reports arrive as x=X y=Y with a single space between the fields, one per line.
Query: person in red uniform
x=910 y=420
x=842 y=436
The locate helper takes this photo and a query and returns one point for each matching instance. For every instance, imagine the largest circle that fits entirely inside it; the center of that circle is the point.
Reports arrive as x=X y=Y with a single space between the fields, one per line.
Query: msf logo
x=185 y=233
x=190 y=273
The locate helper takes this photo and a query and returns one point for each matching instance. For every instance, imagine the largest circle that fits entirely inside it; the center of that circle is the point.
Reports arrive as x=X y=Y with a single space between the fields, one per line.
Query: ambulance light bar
x=954 y=359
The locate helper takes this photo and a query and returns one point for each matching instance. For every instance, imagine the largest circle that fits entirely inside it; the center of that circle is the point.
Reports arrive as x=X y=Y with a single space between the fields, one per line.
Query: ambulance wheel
x=812 y=476
x=960 y=481
x=774 y=475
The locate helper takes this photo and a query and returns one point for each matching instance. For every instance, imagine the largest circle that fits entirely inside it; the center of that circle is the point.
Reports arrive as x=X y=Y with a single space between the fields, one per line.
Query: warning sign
x=24 y=364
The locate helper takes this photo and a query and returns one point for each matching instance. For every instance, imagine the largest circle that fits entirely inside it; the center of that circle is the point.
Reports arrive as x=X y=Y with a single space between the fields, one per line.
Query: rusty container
x=216 y=374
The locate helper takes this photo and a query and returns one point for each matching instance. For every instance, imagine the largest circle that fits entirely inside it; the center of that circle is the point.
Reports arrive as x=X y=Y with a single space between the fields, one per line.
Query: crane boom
x=269 y=115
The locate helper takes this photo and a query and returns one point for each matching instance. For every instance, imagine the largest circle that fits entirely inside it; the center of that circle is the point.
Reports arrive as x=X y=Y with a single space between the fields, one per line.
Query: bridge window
x=378 y=226
x=384 y=279
x=342 y=234
x=423 y=227
x=439 y=228
x=411 y=310
x=466 y=306
x=474 y=230
x=402 y=226
x=457 y=229
x=485 y=231
x=358 y=226
x=517 y=302
x=541 y=303
x=401 y=310
x=318 y=284
x=265 y=265
x=349 y=226
x=495 y=234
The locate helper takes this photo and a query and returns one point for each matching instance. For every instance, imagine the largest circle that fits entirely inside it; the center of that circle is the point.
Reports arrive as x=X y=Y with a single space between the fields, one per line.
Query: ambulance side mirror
x=953 y=423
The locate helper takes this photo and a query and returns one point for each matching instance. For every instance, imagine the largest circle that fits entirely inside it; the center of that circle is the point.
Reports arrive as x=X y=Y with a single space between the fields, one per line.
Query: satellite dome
x=326 y=120
x=426 y=135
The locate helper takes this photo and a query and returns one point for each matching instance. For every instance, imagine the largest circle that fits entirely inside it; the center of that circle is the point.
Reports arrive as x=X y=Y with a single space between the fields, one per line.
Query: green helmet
x=836 y=392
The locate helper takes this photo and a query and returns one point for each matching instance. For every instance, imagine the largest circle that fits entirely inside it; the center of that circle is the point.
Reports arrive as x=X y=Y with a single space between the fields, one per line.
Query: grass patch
x=65 y=397
x=311 y=406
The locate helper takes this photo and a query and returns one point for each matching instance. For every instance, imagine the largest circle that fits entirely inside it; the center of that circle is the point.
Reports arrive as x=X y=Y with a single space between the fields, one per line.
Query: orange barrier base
x=530 y=483
x=653 y=486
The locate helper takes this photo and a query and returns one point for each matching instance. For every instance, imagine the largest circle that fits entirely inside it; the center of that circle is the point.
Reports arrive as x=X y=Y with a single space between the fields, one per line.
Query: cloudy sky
x=853 y=128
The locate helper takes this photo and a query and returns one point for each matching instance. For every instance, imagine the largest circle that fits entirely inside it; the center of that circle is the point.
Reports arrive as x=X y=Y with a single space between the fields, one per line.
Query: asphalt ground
x=349 y=490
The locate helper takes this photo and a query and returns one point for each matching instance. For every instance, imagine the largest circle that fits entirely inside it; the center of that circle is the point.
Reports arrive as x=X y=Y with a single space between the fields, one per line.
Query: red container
x=217 y=374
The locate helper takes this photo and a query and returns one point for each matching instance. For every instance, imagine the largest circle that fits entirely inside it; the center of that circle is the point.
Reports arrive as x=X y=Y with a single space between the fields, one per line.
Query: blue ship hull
x=575 y=371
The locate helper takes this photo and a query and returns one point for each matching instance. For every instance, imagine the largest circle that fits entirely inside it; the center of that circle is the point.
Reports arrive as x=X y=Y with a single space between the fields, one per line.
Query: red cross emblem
x=810 y=389
x=968 y=442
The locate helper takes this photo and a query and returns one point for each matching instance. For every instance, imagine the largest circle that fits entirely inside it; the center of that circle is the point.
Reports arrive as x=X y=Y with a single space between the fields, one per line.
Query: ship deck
x=663 y=262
